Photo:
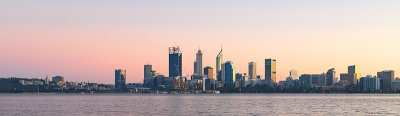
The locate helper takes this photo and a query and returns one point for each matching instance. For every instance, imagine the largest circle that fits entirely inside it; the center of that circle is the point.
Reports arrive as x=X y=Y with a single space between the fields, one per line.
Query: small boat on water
x=217 y=92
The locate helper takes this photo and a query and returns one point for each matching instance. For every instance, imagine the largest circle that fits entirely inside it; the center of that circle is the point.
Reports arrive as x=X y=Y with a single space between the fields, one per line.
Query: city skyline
x=86 y=43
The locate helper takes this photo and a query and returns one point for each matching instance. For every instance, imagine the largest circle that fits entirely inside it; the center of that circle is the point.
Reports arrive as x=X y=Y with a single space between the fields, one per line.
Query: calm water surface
x=199 y=104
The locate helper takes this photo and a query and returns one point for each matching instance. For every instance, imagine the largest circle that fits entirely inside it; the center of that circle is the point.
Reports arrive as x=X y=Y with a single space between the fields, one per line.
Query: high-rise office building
x=387 y=78
x=208 y=71
x=239 y=76
x=198 y=64
x=47 y=80
x=312 y=80
x=294 y=75
x=120 y=79
x=230 y=74
x=270 y=70
x=330 y=76
x=349 y=77
x=148 y=74
x=369 y=83
x=219 y=66
x=58 y=79
x=354 y=69
x=195 y=68
x=252 y=70
x=147 y=71
x=222 y=73
x=175 y=62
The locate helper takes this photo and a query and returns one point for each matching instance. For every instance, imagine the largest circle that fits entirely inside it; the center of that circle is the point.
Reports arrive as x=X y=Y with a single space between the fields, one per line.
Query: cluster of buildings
x=203 y=78
x=58 y=83
x=385 y=80
x=226 y=76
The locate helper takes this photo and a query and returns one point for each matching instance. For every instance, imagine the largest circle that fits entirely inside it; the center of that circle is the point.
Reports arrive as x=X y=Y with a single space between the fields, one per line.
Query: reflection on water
x=199 y=104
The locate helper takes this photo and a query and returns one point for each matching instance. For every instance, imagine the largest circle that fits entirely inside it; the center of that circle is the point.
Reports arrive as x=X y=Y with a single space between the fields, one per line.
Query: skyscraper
x=330 y=76
x=47 y=80
x=175 y=62
x=219 y=65
x=369 y=83
x=349 y=77
x=195 y=68
x=387 y=78
x=354 y=69
x=270 y=70
x=230 y=74
x=58 y=79
x=312 y=80
x=147 y=71
x=252 y=70
x=293 y=74
x=222 y=73
x=120 y=79
x=198 y=64
x=208 y=71
x=148 y=74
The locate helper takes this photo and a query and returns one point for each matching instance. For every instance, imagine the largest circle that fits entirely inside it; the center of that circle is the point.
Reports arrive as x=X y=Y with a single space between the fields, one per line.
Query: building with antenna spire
x=219 y=65
x=198 y=64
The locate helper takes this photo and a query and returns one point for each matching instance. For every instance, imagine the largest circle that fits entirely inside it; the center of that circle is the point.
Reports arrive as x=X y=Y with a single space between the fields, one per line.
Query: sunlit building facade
x=120 y=79
x=219 y=66
x=270 y=70
x=208 y=72
x=354 y=69
x=387 y=78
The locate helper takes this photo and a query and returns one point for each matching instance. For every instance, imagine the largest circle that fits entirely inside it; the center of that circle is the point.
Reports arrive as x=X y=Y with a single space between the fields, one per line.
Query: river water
x=198 y=104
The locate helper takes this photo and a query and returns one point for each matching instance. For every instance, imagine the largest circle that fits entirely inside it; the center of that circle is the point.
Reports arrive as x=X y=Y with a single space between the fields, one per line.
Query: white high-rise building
x=198 y=64
x=293 y=74
x=46 y=81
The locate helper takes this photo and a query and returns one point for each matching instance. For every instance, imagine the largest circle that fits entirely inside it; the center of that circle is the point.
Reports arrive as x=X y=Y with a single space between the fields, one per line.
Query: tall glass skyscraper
x=270 y=70
x=147 y=71
x=387 y=78
x=354 y=69
x=230 y=74
x=219 y=65
x=330 y=76
x=175 y=62
x=120 y=79
x=148 y=74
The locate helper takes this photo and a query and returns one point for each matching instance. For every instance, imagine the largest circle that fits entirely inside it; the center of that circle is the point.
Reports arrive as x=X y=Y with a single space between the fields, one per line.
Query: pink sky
x=87 y=42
